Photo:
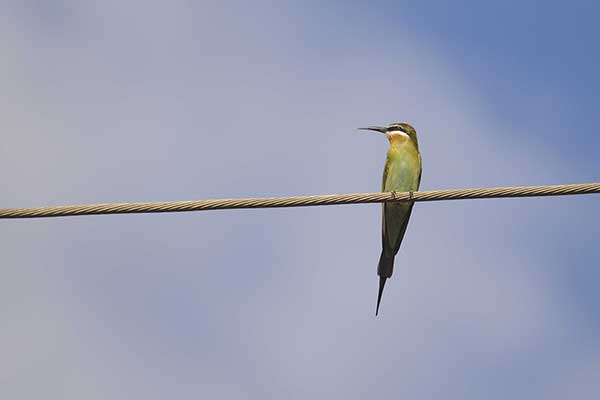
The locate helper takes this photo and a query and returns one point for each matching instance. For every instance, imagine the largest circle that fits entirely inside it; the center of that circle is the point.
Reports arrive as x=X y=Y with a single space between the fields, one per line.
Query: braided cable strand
x=299 y=201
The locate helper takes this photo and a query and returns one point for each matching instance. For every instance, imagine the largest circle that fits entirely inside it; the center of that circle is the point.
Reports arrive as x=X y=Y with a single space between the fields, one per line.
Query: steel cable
x=299 y=201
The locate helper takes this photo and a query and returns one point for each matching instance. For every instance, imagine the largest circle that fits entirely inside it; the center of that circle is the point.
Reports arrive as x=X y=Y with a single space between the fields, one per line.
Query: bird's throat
x=398 y=139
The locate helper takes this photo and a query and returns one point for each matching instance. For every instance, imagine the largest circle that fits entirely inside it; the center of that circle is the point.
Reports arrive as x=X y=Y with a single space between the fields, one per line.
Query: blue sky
x=137 y=101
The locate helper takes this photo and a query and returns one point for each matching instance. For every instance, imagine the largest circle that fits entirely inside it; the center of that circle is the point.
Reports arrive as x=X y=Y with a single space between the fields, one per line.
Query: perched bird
x=402 y=173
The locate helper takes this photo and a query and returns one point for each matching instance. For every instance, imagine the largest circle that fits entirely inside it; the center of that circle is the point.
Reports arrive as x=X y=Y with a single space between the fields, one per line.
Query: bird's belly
x=402 y=176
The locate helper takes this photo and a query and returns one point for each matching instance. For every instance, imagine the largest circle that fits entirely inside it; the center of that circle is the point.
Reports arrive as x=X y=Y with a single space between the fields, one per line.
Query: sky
x=153 y=101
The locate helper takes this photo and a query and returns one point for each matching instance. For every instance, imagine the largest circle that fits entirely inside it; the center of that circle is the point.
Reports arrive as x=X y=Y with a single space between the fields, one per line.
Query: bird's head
x=397 y=132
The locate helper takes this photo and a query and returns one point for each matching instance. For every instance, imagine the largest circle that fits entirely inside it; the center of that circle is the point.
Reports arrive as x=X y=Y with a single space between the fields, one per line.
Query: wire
x=300 y=201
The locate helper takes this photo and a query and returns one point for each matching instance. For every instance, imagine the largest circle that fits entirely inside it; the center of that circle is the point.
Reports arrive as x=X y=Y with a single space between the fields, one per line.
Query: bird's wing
x=395 y=216
x=420 y=172
x=399 y=214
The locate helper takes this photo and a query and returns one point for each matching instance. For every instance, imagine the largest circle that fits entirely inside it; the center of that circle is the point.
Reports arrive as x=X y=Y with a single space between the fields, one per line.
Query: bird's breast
x=403 y=169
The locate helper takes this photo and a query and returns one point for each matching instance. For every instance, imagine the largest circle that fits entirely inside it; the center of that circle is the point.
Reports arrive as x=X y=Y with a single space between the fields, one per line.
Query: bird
x=401 y=173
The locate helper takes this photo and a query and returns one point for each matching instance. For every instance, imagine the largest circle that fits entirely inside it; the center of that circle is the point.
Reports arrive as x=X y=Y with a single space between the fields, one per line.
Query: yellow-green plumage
x=402 y=173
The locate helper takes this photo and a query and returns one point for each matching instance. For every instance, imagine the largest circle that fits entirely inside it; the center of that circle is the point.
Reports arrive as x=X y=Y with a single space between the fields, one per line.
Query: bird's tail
x=384 y=270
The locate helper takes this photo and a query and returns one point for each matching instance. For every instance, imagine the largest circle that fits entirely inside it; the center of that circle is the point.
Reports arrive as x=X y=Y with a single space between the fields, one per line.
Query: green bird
x=402 y=173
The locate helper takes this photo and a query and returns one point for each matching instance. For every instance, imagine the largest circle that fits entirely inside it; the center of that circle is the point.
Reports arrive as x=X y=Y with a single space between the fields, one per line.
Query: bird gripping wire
x=299 y=201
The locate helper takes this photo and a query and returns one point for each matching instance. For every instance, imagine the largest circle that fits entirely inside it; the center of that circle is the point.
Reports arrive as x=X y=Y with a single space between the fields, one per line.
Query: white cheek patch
x=398 y=133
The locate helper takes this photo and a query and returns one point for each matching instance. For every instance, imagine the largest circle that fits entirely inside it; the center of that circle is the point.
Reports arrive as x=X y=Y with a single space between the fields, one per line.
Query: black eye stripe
x=396 y=128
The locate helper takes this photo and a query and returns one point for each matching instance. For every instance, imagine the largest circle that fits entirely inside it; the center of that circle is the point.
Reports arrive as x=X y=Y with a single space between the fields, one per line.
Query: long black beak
x=380 y=129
